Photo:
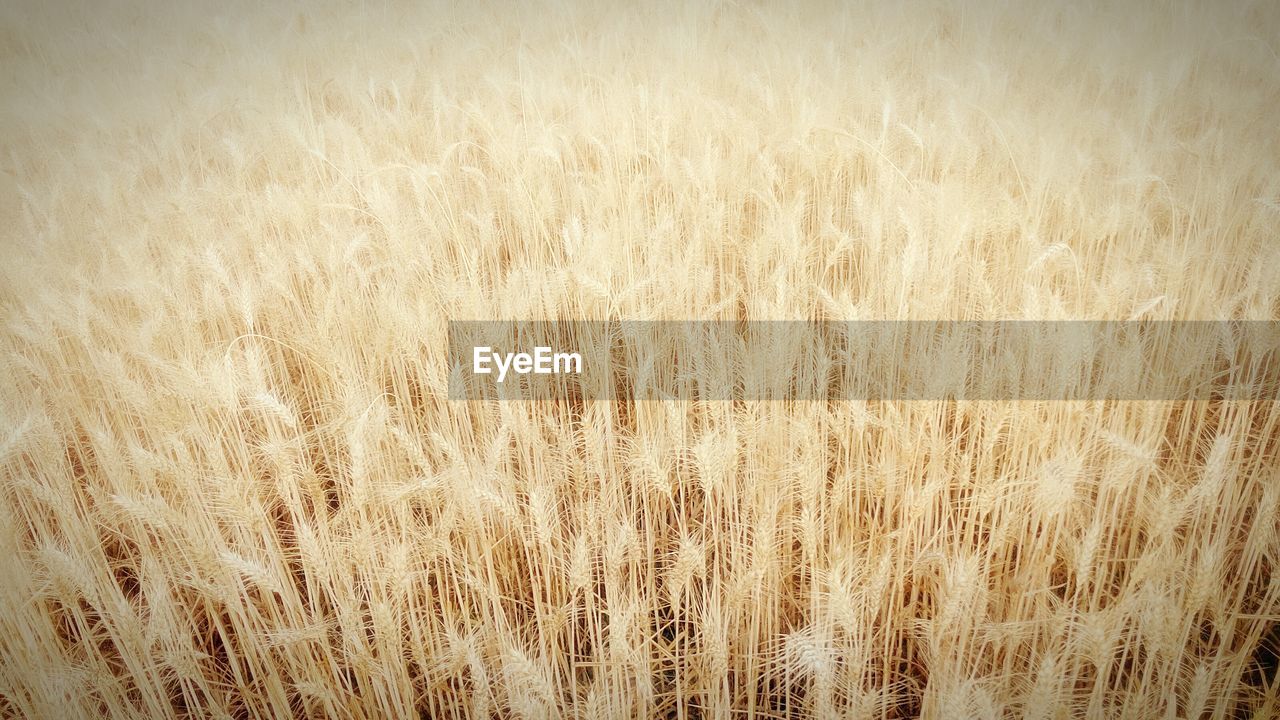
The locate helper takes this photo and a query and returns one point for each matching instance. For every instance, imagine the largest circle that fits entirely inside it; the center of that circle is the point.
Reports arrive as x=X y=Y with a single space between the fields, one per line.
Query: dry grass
x=232 y=486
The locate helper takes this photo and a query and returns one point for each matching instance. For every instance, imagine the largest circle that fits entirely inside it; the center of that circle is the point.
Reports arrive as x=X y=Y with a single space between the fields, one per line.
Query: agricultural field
x=233 y=483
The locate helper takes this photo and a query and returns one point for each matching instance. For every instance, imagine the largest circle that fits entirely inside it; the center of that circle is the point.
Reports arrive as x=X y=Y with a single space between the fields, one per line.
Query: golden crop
x=232 y=485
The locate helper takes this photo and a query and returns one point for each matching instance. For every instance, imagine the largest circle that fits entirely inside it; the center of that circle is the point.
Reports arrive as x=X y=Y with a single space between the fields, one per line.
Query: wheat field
x=233 y=485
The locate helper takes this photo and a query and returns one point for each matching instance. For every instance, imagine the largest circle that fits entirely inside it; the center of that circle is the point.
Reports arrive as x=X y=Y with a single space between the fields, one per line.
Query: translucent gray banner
x=874 y=360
